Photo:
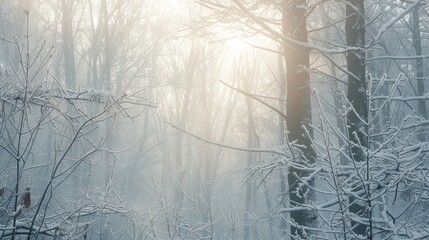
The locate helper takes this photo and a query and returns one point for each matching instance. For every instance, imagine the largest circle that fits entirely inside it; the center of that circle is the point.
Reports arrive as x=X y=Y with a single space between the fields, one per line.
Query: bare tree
x=357 y=96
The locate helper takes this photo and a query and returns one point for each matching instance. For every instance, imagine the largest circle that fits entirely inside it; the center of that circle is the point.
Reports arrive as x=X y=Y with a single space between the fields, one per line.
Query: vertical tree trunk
x=17 y=26
x=282 y=131
x=70 y=77
x=357 y=96
x=336 y=88
x=417 y=42
x=107 y=50
x=68 y=44
x=250 y=131
x=298 y=112
x=109 y=158
x=183 y=109
x=95 y=49
x=207 y=180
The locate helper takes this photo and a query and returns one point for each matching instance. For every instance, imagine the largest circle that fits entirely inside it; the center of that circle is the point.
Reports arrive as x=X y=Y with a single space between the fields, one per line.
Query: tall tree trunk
x=298 y=112
x=282 y=131
x=70 y=78
x=207 y=166
x=68 y=44
x=183 y=114
x=334 y=85
x=417 y=42
x=17 y=26
x=357 y=96
x=250 y=133
x=107 y=50
x=109 y=158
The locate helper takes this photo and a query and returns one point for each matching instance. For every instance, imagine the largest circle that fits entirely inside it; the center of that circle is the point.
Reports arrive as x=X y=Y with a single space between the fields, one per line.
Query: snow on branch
x=389 y=24
x=256 y=150
x=48 y=97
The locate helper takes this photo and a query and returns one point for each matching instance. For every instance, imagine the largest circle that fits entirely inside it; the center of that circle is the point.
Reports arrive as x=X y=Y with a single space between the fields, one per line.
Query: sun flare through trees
x=214 y=119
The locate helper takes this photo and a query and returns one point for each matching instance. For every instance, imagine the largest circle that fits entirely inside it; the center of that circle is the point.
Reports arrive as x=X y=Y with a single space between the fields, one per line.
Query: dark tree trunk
x=298 y=112
x=357 y=96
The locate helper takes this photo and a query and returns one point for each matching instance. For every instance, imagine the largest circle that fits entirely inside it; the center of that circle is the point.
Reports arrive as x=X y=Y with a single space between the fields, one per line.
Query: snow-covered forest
x=214 y=119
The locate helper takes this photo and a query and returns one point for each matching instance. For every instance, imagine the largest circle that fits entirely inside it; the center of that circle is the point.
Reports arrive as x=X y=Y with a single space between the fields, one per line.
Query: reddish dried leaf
x=26 y=200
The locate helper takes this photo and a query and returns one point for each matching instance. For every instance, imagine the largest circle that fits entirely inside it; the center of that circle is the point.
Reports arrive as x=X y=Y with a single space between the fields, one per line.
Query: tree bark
x=298 y=113
x=357 y=96
x=417 y=42
x=284 y=201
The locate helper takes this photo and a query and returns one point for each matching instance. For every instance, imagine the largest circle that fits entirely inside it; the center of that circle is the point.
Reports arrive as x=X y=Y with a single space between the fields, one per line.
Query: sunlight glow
x=173 y=7
x=236 y=46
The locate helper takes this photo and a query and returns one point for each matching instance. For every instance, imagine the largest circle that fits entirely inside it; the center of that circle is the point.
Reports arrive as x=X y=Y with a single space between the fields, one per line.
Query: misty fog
x=214 y=119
